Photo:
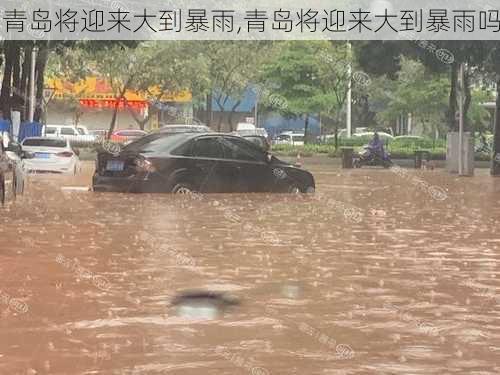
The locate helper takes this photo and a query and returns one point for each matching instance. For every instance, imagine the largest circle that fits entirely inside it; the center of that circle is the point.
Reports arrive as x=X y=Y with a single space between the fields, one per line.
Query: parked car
x=192 y=162
x=290 y=138
x=245 y=126
x=78 y=136
x=180 y=128
x=53 y=155
x=128 y=135
x=258 y=136
x=12 y=175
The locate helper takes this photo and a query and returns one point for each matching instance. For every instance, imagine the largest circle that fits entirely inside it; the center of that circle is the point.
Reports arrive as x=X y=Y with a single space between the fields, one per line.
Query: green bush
x=416 y=144
x=400 y=149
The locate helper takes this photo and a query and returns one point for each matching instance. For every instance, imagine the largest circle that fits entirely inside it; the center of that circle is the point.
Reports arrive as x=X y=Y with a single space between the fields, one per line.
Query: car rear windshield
x=157 y=142
x=45 y=142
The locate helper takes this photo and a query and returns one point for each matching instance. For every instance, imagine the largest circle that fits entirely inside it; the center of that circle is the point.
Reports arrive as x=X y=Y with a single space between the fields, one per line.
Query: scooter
x=369 y=158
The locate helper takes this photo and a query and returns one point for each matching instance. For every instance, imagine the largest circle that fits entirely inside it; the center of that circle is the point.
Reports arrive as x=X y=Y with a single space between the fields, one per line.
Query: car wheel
x=183 y=188
x=310 y=190
x=294 y=189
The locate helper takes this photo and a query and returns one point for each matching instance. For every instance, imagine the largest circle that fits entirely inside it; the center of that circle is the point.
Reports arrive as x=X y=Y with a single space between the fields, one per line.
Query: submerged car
x=191 y=162
x=52 y=155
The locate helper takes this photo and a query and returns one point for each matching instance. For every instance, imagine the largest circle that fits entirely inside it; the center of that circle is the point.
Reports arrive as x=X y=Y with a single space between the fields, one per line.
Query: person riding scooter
x=376 y=147
x=374 y=154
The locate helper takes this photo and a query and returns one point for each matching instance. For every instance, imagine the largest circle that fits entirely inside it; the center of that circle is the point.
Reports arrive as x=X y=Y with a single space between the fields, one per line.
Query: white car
x=290 y=138
x=78 y=136
x=50 y=155
x=245 y=126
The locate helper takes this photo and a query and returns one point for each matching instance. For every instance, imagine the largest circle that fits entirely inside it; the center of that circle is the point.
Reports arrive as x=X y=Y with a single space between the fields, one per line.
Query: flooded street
x=381 y=272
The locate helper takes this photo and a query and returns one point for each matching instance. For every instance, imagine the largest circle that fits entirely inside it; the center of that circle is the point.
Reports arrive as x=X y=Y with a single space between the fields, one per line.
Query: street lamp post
x=349 y=92
x=256 y=121
x=31 y=113
x=461 y=122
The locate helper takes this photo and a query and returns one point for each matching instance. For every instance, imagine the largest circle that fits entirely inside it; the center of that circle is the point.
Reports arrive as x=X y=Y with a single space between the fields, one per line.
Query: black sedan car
x=193 y=162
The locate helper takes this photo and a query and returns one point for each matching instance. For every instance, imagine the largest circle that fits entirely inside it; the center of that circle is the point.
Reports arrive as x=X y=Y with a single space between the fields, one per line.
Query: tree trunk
x=40 y=65
x=113 y=118
x=25 y=79
x=468 y=99
x=306 y=128
x=209 y=110
x=17 y=99
x=5 y=104
x=141 y=122
x=336 y=137
x=118 y=100
x=452 y=110
x=495 y=164
x=230 y=117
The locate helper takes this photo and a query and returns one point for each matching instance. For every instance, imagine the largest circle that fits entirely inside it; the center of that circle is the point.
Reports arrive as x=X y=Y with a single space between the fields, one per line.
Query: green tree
x=232 y=67
x=415 y=91
x=310 y=77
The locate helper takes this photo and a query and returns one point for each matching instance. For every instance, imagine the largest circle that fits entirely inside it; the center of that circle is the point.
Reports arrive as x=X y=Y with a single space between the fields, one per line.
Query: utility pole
x=461 y=121
x=256 y=121
x=31 y=113
x=349 y=91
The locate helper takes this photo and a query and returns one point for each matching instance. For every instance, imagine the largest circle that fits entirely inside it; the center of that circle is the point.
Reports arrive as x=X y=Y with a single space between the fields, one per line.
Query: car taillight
x=144 y=165
x=65 y=154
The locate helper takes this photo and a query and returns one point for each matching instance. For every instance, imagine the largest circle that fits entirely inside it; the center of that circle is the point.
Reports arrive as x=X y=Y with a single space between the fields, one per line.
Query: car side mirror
x=27 y=155
x=14 y=147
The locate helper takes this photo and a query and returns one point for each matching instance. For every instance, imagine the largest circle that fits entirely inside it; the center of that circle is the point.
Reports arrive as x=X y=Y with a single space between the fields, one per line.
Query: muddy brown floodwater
x=382 y=272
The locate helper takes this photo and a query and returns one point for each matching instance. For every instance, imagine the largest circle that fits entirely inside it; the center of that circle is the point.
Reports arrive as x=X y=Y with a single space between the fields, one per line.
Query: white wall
x=92 y=118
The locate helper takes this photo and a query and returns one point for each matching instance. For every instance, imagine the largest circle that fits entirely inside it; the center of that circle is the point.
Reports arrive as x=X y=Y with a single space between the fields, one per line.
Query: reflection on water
x=412 y=287
x=202 y=304
x=291 y=291
x=197 y=311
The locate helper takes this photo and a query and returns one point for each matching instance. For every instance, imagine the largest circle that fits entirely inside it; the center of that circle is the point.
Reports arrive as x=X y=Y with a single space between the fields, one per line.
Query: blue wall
x=272 y=122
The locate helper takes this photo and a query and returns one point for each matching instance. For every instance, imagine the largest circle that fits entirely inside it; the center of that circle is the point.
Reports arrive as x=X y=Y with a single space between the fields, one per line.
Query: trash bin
x=347 y=157
x=421 y=155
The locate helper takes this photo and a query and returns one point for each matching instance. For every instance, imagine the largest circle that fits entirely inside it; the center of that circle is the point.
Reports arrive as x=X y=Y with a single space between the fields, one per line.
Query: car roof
x=56 y=138
x=63 y=126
